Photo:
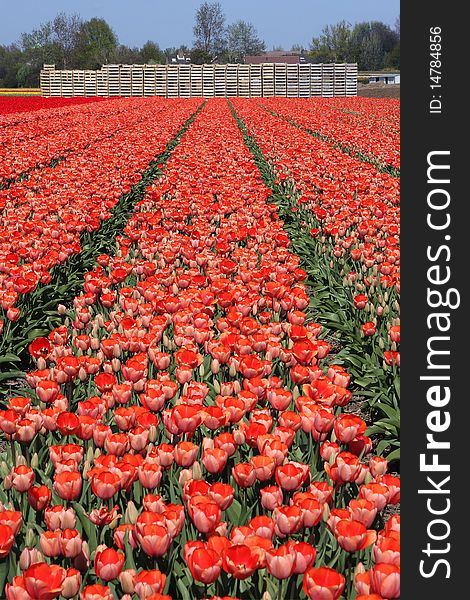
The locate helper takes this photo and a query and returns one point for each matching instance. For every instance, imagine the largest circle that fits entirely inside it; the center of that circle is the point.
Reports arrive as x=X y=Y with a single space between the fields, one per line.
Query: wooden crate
x=231 y=80
x=160 y=80
x=292 y=81
x=327 y=89
x=315 y=79
x=102 y=83
x=45 y=79
x=351 y=79
x=339 y=81
x=244 y=81
x=90 y=83
x=65 y=79
x=78 y=83
x=256 y=84
x=304 y=81
x=184 y=81
x=137 y=80
x=267 y=79
x=196 y=81
x=280 y=79
x=114 y=88
x=125 y=80
x=220 y=85
x=208 y=81
x=149 y=80
x=172 y=81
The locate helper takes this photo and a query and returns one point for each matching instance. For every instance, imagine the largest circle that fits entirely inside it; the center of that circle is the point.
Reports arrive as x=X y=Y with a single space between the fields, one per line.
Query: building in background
x=277 y=56
x=385 y=78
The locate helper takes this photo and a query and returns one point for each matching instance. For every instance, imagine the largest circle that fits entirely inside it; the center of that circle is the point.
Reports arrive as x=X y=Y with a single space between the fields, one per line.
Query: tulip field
x=199 y=349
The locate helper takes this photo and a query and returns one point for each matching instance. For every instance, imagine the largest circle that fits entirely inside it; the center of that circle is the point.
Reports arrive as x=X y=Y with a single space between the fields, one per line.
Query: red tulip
x=148 y=582
x=22 y=478
x=353 y=535
x=96 y=592
x=385 y=580
x=108 y=563
x=68 y=485
x=240 y=561
x=6 y=539
x=204 y=565
x=43 y=581
x=323 y=584
x=280 y=562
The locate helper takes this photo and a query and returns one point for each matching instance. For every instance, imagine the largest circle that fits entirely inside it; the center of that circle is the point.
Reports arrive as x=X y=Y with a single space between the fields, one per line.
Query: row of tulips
x=187 y=429
x=43 y=217
x=12 y=107
x=34 y=143
x=342 y=216
x=368 y=127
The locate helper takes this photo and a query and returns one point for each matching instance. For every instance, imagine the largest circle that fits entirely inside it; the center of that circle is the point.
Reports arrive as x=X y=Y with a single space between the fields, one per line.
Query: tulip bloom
x=154 y=539
x=385 y=580
x=280 y=562
x=105 y=484
x=22 y=478
x=43 y=581
x=323 y=584
x=204 y=513
x=244 y=474
x=204 y=565
x=108 y=563
x=39 y=497
x=149 y=582
x=13 y=519
x=353 y=535
x=68 y=485
x=291 y=476
x=16 y=590
x=6 y=540
x=240 y=561
x=96 y=592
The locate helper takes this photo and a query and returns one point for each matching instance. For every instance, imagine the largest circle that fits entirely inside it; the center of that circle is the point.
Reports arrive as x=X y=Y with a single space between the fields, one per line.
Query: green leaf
x=9 y=357
x=233 y=512
x=391 y=413
x=11 y=375
x=395 y=455
x=183 y=589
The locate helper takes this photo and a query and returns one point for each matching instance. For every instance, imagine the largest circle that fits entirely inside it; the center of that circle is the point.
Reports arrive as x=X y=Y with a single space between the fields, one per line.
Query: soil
x=379 y=90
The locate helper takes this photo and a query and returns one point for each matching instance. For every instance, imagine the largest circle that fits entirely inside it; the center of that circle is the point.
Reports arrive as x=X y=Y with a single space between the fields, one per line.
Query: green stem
x=13 y=452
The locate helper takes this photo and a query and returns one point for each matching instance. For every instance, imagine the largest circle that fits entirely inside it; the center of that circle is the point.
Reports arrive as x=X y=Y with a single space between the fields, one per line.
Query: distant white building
x=385 y=78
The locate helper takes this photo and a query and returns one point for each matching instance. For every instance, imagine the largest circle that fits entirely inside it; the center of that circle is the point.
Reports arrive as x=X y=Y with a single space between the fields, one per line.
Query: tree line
x=70 y=42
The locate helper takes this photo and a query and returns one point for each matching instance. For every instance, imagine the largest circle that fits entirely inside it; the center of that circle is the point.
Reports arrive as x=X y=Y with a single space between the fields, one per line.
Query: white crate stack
x=184 y=81
x=267 y=80
x=160 y=80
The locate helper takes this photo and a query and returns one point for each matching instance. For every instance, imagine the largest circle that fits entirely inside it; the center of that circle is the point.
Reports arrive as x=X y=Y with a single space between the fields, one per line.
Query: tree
x=242 y=39
x=124 y=55
x=151 y=54
x=98 y=43
x=37 y=48
x=397 y=25
x=200 y=57
x=209 y=28
x=373 y=46
x=11 y=62
x=333 y=44
x=66 y=34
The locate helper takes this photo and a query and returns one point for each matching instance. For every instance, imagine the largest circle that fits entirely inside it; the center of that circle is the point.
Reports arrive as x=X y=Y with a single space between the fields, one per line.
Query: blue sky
x=170 y=22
